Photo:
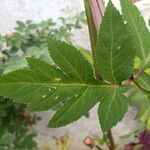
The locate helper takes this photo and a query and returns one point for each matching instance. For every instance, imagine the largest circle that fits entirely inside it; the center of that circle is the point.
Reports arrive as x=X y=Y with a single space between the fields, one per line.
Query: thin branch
x=92 y=33
x=98 y=147
x=111 y=140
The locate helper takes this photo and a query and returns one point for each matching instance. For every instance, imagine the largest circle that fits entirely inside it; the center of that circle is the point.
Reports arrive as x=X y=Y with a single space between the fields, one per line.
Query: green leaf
x=21 y=26
x=6 y=139
x=30 y=85
x=147 y=71
x=45 y=86
x=87 y=54
x=70 y=83
x=112 y=108
x=139 y=30
x=142 y=102
x=70 y=60
x=39 y=52
x=137 y=63
x=144 y=81
x=50 y=72
x=143 y=84
x=15 y=63
x=114 y=54
x=77 y=106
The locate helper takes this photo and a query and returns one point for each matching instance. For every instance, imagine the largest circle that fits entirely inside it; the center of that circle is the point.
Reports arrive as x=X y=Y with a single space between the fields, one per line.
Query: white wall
x=37 y=10
x=143 y=5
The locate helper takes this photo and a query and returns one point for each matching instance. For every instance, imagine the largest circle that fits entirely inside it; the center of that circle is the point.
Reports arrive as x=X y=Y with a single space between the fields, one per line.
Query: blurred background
x=23 y=26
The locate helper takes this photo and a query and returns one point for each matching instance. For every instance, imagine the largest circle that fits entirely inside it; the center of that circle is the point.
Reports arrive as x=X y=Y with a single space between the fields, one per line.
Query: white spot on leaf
x=44 y=96
x=118 y=47
x=52 y=87
x=56 y=97
x=57 y=79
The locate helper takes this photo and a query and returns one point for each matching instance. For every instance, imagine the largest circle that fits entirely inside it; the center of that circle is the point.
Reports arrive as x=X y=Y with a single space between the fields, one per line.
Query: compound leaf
x=43 y=86
x=69 y=83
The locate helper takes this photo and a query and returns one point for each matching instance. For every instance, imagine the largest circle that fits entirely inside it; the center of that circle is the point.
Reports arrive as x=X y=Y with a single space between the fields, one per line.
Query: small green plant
x=14 y=123
x=28 y=39
x=77 y=84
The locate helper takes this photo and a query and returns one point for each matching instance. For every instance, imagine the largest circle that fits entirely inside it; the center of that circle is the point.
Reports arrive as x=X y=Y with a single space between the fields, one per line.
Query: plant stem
x=91 y=25
x=98 y=147
x=111 y=140
x=92 y=33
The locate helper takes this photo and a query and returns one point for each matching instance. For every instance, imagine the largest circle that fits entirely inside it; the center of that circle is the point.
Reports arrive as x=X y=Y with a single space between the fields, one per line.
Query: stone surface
x=82 y=128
